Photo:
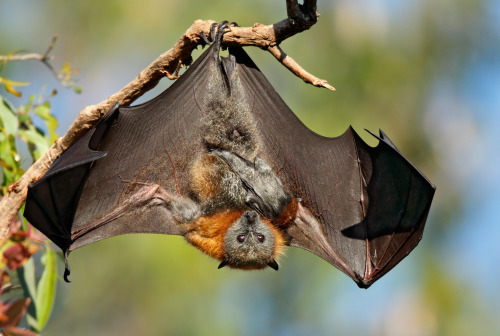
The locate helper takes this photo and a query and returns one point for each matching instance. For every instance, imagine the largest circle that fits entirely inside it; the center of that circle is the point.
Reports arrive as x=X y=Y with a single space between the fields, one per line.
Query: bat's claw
x=222 y=28
x=67 y=271
x=212 y=33
x=204 y=40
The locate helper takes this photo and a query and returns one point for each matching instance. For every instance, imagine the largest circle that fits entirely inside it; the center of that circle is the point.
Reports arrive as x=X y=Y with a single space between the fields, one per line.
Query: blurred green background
x=426 y=72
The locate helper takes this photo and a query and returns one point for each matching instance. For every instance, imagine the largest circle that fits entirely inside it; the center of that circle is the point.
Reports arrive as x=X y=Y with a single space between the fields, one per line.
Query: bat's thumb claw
x=67 y=272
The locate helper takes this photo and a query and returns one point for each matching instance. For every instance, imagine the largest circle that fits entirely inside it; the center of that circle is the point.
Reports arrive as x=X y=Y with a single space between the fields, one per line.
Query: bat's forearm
x=149 y=195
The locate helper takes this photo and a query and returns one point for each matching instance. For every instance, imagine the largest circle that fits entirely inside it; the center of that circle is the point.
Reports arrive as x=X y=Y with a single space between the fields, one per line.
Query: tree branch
x=45 y=58
x=25 y=57
x=300 y=18
x=290 y=63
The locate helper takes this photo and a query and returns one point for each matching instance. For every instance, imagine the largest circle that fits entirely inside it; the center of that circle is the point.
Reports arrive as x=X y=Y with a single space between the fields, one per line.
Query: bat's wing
x=51 y=201
x=148 y=144
x=363 y=209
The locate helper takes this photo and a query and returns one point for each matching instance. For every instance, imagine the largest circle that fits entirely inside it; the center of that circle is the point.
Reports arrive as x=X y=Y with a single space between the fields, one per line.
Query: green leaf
x=6 y=81
x=9 y=159
x=46 y=290
x=52 y=124
x=43 y=110
x=33 y=136
x=10 y=86
x=76 y=88
x=6 y=151
x=26 y=276
x=8 y=118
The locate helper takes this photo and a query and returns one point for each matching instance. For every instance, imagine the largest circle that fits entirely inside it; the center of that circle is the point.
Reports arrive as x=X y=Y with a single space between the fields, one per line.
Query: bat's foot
x=217 y=30
x=217 y=34
x=222 y=28
x=204 y=40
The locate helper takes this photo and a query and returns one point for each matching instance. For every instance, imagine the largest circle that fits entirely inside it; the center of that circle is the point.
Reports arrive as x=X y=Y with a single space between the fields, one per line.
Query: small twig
x=25 y=57
x=9 y=288
x=301 y=17
x=290 y=63
x=310 y=5
x=45 y=59
x=51 y=46
x=293 y=9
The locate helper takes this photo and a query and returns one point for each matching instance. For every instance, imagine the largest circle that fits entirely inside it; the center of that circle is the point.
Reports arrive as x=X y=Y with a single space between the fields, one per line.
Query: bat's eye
x=241 y=238
x=260 y=238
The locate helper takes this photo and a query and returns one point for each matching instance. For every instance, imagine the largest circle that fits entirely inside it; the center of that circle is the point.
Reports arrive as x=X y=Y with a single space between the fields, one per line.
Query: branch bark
x=300 y=18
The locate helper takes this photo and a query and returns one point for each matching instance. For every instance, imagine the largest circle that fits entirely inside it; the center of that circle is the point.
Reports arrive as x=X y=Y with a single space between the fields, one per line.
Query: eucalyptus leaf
x=46 y=290
x=7 y=153
x=43 y=110
x=8 y=118
x=33 y=136
x=27 y=280
x=76 y=88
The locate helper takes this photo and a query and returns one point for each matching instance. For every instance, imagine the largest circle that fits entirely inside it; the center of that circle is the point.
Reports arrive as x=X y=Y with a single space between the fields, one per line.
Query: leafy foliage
x=28 y=266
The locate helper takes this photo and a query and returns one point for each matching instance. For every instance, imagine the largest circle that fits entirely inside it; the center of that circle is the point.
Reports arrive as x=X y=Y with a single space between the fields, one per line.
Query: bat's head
x=251 y=242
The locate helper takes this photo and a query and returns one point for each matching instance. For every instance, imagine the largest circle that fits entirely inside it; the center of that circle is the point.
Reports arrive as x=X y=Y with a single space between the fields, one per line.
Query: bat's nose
x=251 y=216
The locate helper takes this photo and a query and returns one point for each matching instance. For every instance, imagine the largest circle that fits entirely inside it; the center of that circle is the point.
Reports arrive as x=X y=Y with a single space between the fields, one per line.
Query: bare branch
x=25 y=57
x=51 y=46
x=311 y=7
x=301 y=17
x=45 y=59
x=292 y=9
x=294 y=67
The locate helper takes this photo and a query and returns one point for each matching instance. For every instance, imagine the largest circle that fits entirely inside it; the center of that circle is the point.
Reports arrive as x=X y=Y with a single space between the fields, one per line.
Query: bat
x=220 y=159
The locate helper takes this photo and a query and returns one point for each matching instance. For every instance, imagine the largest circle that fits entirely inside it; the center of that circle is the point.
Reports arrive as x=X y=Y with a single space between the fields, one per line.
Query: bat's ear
x=223 y=263
x=273 y=264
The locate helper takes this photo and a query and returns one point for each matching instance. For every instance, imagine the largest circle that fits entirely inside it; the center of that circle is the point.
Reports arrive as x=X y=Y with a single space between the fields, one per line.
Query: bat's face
x=250 y=242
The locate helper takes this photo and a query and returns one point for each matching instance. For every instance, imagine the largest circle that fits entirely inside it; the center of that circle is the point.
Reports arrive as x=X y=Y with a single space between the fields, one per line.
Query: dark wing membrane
x=399 y=198
x=51 y=201
x=343 y=183
x=146 y=144
x=152 y=143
